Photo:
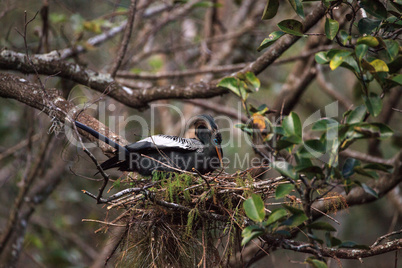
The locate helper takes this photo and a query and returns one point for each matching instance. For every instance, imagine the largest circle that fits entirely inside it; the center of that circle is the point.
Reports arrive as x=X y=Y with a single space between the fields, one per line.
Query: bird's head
x=207 y=132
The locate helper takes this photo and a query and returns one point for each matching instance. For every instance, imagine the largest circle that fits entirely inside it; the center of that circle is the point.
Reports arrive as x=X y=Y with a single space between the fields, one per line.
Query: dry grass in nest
x=183 y=220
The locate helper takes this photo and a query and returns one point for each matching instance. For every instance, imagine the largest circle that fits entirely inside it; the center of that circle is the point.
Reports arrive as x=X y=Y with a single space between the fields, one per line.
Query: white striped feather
x=174 y=141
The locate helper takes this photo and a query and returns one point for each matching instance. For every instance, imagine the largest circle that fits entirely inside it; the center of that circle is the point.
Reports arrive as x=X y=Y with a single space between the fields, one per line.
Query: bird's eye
x=216 y=141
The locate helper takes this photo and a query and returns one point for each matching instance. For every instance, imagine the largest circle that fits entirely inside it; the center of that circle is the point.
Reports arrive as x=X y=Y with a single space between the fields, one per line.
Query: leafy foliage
x=368 y=48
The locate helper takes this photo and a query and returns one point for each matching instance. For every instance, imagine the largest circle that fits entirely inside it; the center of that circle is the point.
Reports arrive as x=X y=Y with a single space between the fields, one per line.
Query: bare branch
x=339 y=253
x=126 y=38
x=366 y=157
x=219 y=109
x=49 y=64
x=17 y=88
x=280 y=46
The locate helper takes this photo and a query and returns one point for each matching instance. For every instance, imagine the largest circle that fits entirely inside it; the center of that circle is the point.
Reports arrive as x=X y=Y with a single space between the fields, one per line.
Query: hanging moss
x=191 y=216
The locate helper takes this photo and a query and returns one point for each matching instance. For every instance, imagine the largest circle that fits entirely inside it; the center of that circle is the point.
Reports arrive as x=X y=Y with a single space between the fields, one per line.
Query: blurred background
x=167 y=37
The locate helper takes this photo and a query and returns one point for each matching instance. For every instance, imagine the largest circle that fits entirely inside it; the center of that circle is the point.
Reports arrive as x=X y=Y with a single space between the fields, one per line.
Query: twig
x=381 y=238
x=19 y=146
x=219 y=109
x=121 y=193
x=365 y=157
x=104 y=222
x=14 y=215
x=98 y=166
x=212 y=216
x=126 y=38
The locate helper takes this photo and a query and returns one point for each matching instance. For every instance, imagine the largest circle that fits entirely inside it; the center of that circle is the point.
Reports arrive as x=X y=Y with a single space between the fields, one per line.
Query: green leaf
x=292 y=27
x=321 y=57
x=272 y=37
x=325 y=124
x=245 y=128
x=270 y=10
x=332 y=241
x=373 y=104
x=316 y=238
x=311 y=149
x=367 y=173
x=298 y=7
x=366 y=25
x=296 y=219
x=331 y=28
x=338 y=58
x=381 y=167
x=320 y=225
x=251 y=232
x=317 y=263
x=357 y=115
x=368 y=40
x=392 y=49
x=374 y=130
x=254 y=208
x=253 y=81
x=57 y=18
x=293 y=210
x=349 y=166
x=344 y=37
x=234 y=85
x=283 y=190
x=284 y=168
x=276 y=216
x=301 y=161
x=361 y=51
x=375 y=8
x=350 y=63
x=262 y=109
x=379 y=66
x=313 y=170
x=283 y=143
x=292 y=125
x=397 y=79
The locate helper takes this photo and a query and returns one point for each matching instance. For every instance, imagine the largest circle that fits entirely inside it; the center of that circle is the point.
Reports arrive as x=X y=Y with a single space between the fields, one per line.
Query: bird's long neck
x=100 y=137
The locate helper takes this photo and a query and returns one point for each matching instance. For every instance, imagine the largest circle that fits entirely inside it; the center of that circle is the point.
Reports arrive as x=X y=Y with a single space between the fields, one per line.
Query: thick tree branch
x=280 y=46
x=52 y=103
x=49 y=64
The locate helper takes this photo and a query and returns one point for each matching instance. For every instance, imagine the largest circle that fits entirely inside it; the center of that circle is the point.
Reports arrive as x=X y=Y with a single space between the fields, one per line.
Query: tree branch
x=339 y=253
x=358 y=196
x=126 y=38
x=52 y=103
x=49 y=64
x=280 y=46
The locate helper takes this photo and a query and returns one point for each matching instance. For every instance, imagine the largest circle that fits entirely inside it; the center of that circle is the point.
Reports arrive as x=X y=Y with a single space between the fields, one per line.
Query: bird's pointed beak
x=218 y=151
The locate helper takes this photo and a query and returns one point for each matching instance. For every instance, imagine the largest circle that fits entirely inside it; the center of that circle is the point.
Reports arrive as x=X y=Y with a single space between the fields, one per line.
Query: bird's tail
x=111 y=163
x=100 y=137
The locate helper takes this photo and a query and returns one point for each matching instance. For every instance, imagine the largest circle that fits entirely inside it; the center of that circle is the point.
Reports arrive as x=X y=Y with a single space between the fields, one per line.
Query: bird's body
x=168 y=153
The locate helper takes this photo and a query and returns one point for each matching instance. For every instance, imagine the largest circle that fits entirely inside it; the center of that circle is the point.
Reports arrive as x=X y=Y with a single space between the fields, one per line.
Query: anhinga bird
x=168 y=153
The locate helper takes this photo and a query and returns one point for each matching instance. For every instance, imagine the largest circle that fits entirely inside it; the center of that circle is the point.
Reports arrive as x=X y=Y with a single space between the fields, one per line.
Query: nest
x=182 y=220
